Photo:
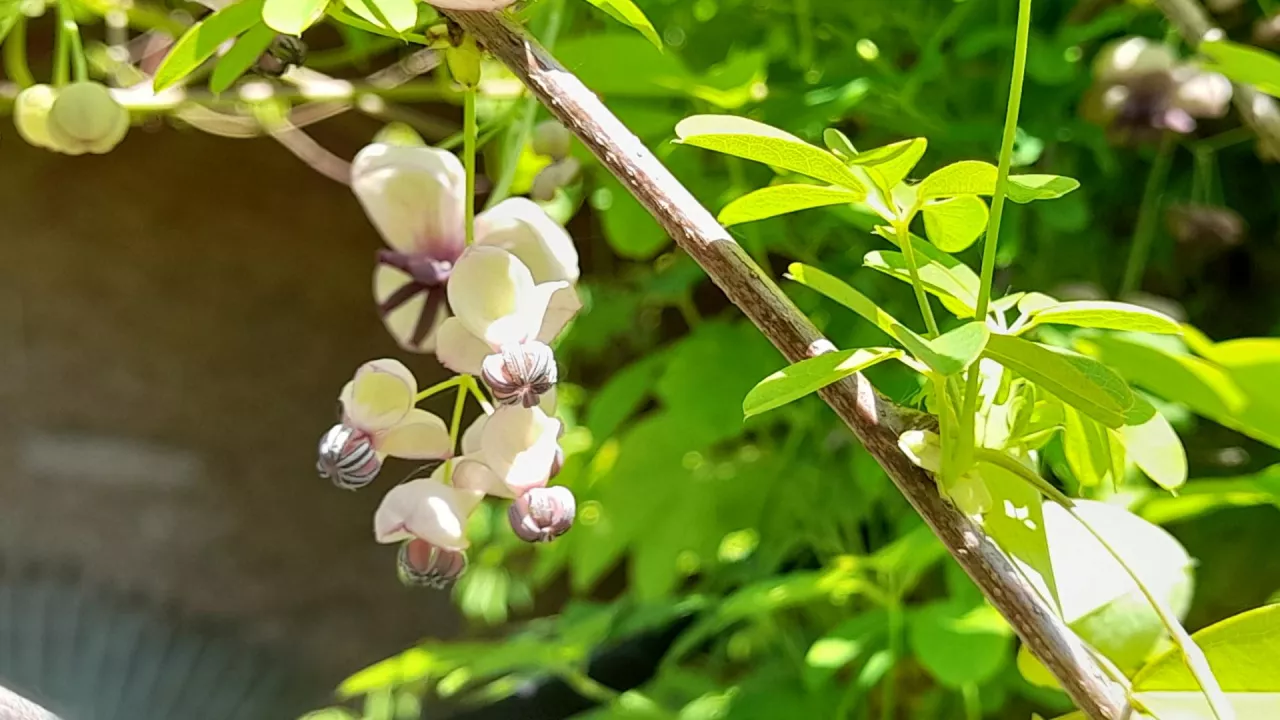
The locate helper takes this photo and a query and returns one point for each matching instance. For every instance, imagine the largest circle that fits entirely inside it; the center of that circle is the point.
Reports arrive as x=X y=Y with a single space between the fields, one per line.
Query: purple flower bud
x=421 y=564
x=520 y=374
x=347 y=457
x=542 y=514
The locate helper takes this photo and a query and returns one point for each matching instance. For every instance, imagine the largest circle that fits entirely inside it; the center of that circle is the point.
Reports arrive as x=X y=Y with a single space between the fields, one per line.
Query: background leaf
x=626 y=12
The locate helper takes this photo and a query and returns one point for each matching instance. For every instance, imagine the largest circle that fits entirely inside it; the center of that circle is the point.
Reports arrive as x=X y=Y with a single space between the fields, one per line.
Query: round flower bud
x=553 y=177
x=542 y=514
x=399 y=134
x=464 y=61
x=421 y=564
x=520 y=374
x=552 y=139
x=85 y=117
x=31 y=115
x=347 y=457
x=1131 y=57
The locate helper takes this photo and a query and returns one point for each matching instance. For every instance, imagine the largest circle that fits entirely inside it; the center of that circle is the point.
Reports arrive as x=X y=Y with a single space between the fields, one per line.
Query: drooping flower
x=542 y=514
x=86 y=117
x=427 y=509
x=421 y=564
x=415 y=197
x=379 y=419
x=518 y=450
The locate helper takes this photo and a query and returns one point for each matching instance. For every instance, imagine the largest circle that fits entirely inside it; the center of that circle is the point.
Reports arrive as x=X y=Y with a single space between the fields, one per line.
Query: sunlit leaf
x=1027 y=188
x=241 y=57
x=1081 y=382
x=762 y=143
x=839 y=143
x=807 y=376
x=962 y=282
x=959 y=348
x=954 y=224
x=394 y=15
x=1034 y=302
x=957 y=296
x=893 y=162
x=292 y=17
x=1087 y=448
x=1243 y=64
x=967 y=177
x=626 y=12
x=1201 y=497
x=203 y=39
x=1150 y=441
x=782 y=199
x=840 y=291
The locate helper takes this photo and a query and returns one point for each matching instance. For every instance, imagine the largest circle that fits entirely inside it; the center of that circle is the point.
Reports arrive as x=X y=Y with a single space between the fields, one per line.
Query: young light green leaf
x=839 y=144
x=1026 y=188
x=967 y=177
x=202 y=40
x=762 y=143
x=1083 y=383
x=1034 y=302
x=840 y=291
x=782 y=199
x=955 y=223
x=893 y=162
x=959 y=297
x=807 y=376
x=961 y=272
x=1150 y=441
x=397 y=16
x=961 y=347
x=1087 y=449
x=1105 y=315
x=1244 y=64
x=626 y=12
x=240 y=57
x=291 y=17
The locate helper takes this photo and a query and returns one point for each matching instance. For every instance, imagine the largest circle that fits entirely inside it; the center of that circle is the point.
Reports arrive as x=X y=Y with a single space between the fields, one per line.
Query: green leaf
x=626 y=12
x=807 y=376
x=241 y=57
x=963 y=281
x=957 y=296
x=398 y=16
x=844 y=644
x=1244 y=64
x=1150 y=441
x=892 y=162
x=1026 y=188
x=202 y=40
x=630 y=229
x=839 y=143
x=1244 y=653
x=9 y=15
x=967 y=177
x=624 y=65
x=954 y=224
x=959 y=348
x=1081 y=382
x=782 y=199
x=1034 y=302
x=1087 y=448
x=840 y=291
x=292 y=17
x=762 y=143
x=958 y=645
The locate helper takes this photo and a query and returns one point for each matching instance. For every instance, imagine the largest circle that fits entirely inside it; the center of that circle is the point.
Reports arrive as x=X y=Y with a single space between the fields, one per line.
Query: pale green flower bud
x=552 y=139
x=31 y=115
x=86 y=118
x=464 y=62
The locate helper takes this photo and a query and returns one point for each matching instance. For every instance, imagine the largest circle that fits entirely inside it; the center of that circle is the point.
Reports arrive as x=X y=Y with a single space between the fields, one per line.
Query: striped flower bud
x=421 y=564
x=347 y=457
x=542 y=514
x=520 y=374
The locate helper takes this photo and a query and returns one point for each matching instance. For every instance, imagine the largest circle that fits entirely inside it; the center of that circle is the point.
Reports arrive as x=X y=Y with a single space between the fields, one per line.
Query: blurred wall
x=176 y=319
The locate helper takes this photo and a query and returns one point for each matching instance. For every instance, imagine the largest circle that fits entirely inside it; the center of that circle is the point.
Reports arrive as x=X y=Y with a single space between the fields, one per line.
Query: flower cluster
x=83 y=117
x=487 y=310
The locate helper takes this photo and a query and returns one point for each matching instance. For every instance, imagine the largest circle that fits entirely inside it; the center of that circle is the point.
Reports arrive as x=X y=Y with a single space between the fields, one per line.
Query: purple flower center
x=427 y=275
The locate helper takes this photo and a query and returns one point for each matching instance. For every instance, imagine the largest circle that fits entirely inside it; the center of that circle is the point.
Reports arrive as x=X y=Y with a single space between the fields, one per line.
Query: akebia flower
x=519 y=449
x=421 y=564
x=379 y=419
x=542 y=514
x=85 y=117
x=426 y=509
x=31 y=115
x=415 y=197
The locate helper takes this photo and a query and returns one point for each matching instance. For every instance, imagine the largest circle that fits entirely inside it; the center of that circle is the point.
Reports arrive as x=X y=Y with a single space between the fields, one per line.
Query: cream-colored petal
x=563 y=304
x=458 y=349
x=472 y=436
x=414 y=196
x=379 y=396
x=547 y=403
x=472 y=474
x=419 y=436
x=1204 y=94
x=524 y=229
x=428 y=510
x=519 y=445
x=492 y=293
x=403 y=321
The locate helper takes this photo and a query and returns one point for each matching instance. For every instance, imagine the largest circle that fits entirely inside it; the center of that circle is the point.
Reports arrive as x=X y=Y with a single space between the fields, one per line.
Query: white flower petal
x=519 y=445
x=419 y=436
x=493 y=294
x=414 y=196
x=379 y=396
x=561 y=307
x=521 y=227
x=473 y=475
x=428 y=510
x=403 y=320
x=474 y=433
x=1205 y=95
x=458 y=349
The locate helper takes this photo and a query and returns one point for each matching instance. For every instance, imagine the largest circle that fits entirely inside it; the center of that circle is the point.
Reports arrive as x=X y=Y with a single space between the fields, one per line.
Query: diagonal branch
x=874 y=420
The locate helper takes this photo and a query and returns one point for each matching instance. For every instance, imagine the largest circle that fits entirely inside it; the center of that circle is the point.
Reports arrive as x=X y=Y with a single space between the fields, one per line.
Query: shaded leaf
x=807 y=376
x=623 y=64
x=626 y=12
x=1081 y=382
x=839 y=143
x=202 y=40
x=756 y=141
x=782 y=199
x=957 y=645
x=954 y=224
x=240 y=57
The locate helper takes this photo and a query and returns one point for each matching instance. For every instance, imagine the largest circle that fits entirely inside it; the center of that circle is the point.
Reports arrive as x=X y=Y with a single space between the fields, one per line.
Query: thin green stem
x=469 y=158
x=909 y=252
x=972 y=702
x=68 y=26
x=439 y=387
x=478 y=394
x=455 y=423
x=61 y=51
x=15 y=55
x=889 y=684
x=992 y=240
x=1148 y=215
x=1191 y=653
x=588 y=687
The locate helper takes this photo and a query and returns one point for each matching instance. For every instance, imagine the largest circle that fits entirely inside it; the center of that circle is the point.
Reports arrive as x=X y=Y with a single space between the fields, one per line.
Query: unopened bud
x=1132 y=57
x=284 y=52
x=31 y=115
x=401 y=134
x=520 y=374
x=552 y=139
x=464 y=61
x=421 y=564
x=542 y=514
x=85 y=117
x=553 y=177
x=347 y=457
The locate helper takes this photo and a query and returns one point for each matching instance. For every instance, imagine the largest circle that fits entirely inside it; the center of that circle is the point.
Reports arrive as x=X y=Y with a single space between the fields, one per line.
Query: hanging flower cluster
x=488 y=310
